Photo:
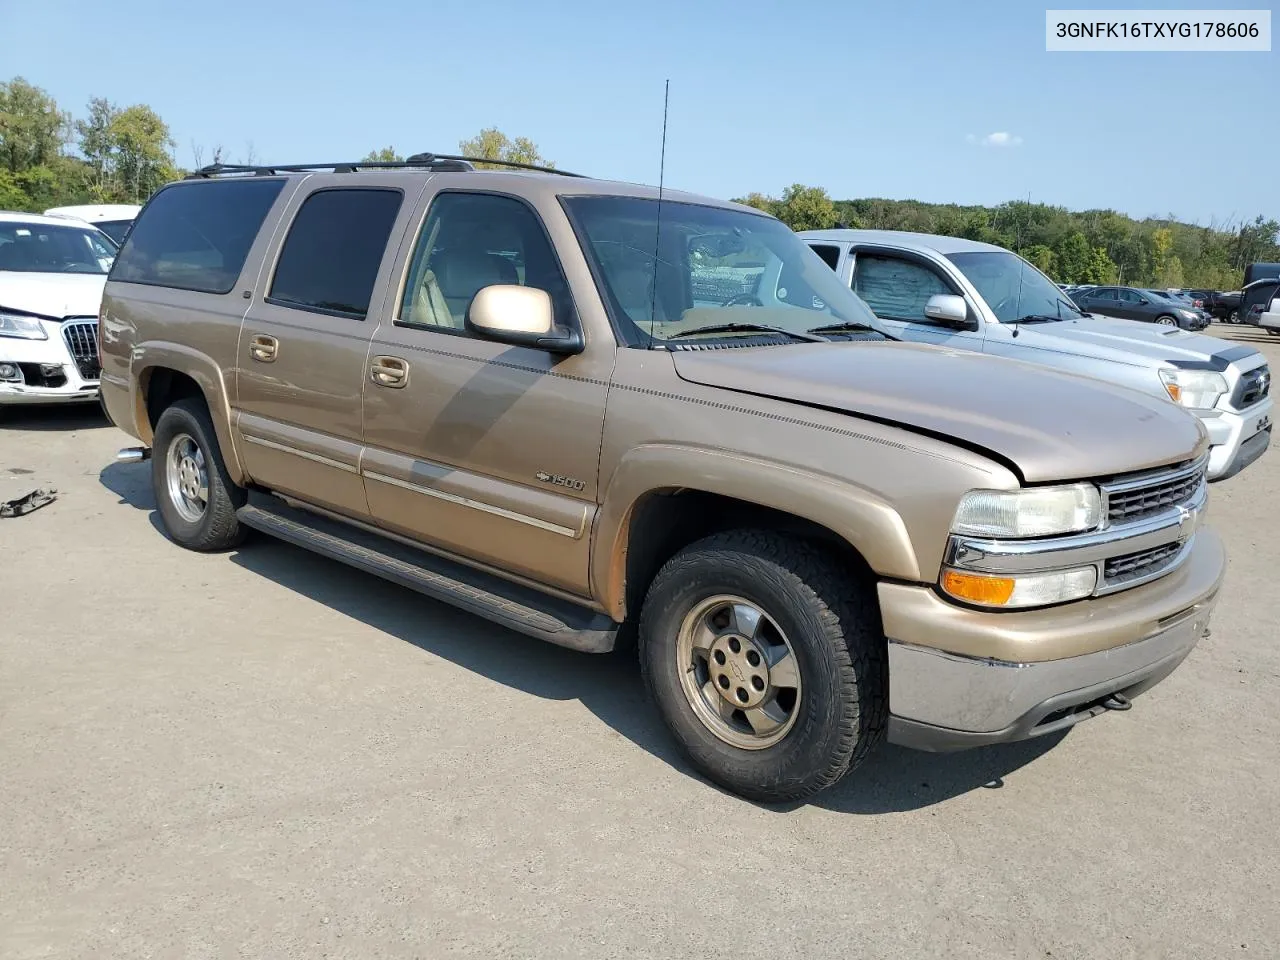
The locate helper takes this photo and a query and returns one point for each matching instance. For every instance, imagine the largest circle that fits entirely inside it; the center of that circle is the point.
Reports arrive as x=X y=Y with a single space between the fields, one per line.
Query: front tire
x=1166 y=321
x=194 y=493
x=767 y=662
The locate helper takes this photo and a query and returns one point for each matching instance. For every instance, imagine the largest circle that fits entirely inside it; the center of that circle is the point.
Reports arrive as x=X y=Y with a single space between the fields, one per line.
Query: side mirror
x=1144 y=301
x=521 y=316
x=950 y=311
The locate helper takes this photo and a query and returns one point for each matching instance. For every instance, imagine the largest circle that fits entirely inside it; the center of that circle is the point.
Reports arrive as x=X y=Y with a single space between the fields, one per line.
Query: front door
x=485 y=451
x=305 y=339
x=896 y=286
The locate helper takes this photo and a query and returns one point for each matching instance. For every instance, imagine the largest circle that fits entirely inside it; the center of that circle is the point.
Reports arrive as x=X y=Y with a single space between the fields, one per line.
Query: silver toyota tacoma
x=977 y=296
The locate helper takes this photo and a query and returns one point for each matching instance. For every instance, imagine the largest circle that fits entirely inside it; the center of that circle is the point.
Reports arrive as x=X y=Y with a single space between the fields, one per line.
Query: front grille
x=81 y=337
x=1128 y=503
x=1144 y=564
x=1253 y=386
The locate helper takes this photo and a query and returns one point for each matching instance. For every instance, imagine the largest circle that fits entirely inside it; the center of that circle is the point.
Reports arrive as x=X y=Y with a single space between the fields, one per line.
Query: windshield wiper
x=1040 y=318
x=848 y=326
x=747 y=328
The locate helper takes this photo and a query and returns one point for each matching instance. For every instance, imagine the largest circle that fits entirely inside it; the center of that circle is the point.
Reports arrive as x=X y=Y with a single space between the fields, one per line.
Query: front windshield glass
x=1014 y=289
x=713 y=267
x=49 y=248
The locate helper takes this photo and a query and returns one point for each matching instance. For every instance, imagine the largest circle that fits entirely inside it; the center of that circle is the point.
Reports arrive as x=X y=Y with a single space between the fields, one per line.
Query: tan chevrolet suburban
x=571 y=406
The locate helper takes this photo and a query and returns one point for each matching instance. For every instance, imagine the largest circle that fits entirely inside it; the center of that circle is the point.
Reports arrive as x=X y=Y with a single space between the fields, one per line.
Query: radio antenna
x=657 y=225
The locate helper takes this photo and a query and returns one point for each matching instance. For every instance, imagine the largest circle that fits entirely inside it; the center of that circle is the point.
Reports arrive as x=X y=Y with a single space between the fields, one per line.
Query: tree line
x=1090 y=246
x=120 y=154
x=114 y=154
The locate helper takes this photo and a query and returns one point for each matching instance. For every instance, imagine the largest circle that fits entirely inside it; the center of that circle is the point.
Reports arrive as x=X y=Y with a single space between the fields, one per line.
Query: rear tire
x=194 y=493
x=785 y=689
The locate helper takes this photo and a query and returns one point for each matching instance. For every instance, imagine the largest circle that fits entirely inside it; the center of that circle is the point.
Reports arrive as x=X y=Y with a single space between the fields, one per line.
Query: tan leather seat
x=452 y=281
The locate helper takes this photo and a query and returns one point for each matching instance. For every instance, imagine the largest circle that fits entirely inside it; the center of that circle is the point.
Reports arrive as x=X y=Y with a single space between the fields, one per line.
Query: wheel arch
x=661 y=499
x=165 y=372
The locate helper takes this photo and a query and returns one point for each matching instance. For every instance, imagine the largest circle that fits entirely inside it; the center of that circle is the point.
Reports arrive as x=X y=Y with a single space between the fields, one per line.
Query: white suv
x=52 y=271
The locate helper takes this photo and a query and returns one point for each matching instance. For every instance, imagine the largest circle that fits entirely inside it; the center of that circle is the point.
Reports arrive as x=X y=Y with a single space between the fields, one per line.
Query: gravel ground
x=265 y=754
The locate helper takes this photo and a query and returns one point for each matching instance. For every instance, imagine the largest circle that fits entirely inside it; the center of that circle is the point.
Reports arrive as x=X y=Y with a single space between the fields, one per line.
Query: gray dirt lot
x=265 y=754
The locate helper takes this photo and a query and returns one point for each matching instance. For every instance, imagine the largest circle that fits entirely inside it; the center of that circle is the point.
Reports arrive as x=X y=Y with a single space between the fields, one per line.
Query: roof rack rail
x=431 y=161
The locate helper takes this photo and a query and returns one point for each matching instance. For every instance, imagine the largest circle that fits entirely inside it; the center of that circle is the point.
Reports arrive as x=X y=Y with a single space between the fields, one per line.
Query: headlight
x=1024 y=590
x=1195 y=389
x=1034 y=512
x=23 y=328
x=1189 y=314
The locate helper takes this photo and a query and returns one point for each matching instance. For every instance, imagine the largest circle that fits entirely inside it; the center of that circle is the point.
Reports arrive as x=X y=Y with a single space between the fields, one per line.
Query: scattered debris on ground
x=32 y=501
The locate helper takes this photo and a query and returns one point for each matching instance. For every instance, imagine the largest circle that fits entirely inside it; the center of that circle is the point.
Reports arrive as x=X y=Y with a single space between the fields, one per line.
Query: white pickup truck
x=976 y=296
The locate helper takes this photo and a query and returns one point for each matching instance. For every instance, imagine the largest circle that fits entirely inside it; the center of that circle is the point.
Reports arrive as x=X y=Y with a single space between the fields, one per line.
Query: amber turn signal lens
x=1175 y=391
x=989 y=591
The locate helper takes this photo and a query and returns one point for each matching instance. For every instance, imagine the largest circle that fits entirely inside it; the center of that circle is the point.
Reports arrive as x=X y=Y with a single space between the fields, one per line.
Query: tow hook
x=1117 y=701
x=133 y=455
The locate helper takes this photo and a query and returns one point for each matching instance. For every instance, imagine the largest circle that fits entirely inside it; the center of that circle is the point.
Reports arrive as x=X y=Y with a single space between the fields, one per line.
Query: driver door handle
x=389 y=372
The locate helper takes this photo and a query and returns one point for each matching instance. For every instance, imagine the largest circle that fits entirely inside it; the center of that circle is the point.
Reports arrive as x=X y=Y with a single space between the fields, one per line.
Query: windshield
x=115 y=229
x=1012 y=287
x=713 y=267
x=48 y=248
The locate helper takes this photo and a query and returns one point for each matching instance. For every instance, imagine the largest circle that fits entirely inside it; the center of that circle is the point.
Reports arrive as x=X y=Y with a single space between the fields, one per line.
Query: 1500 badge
x=558 y=481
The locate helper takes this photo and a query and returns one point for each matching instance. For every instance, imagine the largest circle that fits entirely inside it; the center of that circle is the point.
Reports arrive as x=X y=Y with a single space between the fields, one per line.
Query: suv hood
x=1129 y=341
x=53 y=295
x=1050 y=426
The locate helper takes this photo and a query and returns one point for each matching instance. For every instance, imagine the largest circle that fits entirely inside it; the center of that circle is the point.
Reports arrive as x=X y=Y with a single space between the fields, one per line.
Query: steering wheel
x=743 y=300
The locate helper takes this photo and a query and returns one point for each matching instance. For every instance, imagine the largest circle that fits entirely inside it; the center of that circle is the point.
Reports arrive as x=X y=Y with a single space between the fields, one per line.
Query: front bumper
x=1237 y=439
x=961 y=677
x=42 y=363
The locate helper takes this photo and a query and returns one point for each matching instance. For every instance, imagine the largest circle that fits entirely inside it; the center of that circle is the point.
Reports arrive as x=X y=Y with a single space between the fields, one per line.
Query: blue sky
x=866 y=99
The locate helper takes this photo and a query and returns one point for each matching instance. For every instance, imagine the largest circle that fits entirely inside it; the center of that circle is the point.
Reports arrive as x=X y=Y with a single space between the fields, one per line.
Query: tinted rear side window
x=196 y=236
x=830 y=255
x=330 y=258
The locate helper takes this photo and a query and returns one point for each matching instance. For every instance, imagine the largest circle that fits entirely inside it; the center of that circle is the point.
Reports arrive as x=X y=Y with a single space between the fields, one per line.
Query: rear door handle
x=263 y=348
x=389 y=372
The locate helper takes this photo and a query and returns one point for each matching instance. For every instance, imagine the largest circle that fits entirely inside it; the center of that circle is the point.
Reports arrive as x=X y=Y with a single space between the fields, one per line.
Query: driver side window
x=471 y=241
x=1129 y=296
x=896 y=289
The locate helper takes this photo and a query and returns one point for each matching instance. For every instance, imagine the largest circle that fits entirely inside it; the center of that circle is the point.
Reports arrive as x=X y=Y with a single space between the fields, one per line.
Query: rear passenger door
x=1102 y=300
x=896 y=285
x=305 y=338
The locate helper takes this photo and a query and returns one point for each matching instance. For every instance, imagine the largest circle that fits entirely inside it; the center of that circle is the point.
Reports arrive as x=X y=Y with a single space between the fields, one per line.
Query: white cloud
x=998 y=139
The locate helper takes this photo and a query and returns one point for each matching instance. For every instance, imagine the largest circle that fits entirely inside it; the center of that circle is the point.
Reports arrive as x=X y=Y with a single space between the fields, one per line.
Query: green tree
x=33 y=130
x=492 y=144
x=127 y=150
x=805 y=208
x=1073 y=257
x=1100 y=268
x=759 y=201
x=95 y=142
x=141 y=145
x=385 y=155
x=12 y=196
x=1042 y=257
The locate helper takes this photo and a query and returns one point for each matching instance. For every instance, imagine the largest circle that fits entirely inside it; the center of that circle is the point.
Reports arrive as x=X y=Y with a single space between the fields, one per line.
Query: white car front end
x=45 y=360
x=52 y=273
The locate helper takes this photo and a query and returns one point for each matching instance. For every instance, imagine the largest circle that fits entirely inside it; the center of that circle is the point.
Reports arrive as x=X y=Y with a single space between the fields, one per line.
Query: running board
x=511 y=605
